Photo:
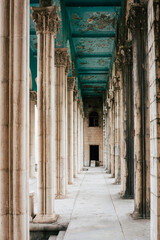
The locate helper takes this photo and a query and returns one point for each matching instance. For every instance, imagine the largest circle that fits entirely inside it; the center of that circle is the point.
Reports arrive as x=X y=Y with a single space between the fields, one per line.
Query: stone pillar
x=71 y=82
x=68 y=66
x=14 y=122
x=117 y=129
x=81 y=135
x=75 y=145
x=124 y=71
x=111 y=95
x=109 y=134
x=78 y=136
x=46 y=20
x=61 y=60
x=137 y=23
x=154 y=86
x=33 y=102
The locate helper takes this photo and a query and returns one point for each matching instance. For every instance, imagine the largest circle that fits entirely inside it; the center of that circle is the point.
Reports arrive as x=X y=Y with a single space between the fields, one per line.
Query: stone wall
x=93 y=135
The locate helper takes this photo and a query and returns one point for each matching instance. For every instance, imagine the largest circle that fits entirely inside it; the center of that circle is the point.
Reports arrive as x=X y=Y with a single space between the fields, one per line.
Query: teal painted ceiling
x=90 y=28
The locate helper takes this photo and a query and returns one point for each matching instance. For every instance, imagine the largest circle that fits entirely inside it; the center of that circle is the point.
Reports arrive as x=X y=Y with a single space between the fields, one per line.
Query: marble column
x=46 y=21
x=137 y=23
x=81 y=135
x=154 y=88
x=71 y=82
x=33 y=102
x=68 y=66
x=124 y=71
x=117 y=129
x=111 y=95
x=75 y=146
x=109 y=134
x=14 y=122
x=78 y=136
x=61 y=60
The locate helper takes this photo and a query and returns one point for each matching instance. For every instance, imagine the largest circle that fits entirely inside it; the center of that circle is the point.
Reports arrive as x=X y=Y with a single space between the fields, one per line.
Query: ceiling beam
x=116 y=3
x=109 y=34
x=103 y=55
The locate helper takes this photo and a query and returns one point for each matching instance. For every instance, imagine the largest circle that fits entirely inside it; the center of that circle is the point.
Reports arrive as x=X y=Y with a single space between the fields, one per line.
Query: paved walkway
x=99 y=213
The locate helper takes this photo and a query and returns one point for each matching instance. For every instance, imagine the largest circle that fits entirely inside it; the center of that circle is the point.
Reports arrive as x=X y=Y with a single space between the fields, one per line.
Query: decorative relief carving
x=70 y=83
x=33 y=96
x=68 y=66
x=108 y=103
x=75 y=93
x=111 y=94
x=46 y=19
x=61 y=57
x=137 y=18
x=116 y=83
x=124 y=55
x=45 y=3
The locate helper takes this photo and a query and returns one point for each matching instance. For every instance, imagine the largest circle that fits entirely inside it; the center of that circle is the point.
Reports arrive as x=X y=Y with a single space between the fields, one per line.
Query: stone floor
x=96 y=212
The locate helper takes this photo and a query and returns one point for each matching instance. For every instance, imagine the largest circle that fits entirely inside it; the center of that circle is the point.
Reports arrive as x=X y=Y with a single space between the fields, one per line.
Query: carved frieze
x=137 y=18
x=70 y=83
x=61 y=57
x=46 y=19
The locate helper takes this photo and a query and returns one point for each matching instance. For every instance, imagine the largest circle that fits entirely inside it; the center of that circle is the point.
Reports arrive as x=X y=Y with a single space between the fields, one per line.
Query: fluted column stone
x=46 y=22
x=71 y=82
x=137 y=23
x=75 y=136
x=33 y=102
x=117 y=129
x=61 y=61
x=14 y=120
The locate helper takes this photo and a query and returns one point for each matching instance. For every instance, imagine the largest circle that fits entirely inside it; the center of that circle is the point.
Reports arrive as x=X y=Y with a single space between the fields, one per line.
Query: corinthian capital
x=46 y=19
x=61 y=56
x=70 y=83
x=33 y=96
x=137 y=18
x=75 y=93
x=116 y=83
x=68 y=66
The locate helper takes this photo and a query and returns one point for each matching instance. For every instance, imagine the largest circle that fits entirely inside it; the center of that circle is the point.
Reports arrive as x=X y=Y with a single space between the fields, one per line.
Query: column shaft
x=14 y=104
x=61 y=60
x=45 y=109
x=71 y=82
x=75 y=145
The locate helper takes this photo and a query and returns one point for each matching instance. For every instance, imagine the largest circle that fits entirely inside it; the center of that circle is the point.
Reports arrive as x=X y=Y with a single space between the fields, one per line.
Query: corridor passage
x=100 y=214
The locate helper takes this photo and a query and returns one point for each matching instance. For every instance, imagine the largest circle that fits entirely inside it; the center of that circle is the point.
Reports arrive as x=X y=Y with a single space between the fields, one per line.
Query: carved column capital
x=46 y=19
x=111 y=94
x=75 y=93
x=108 y=103
x=68 y=66
x=61 y=57
x=33 y=96
x=116 y=83
x=124 y=55
x=137 y=18
x=70 y=83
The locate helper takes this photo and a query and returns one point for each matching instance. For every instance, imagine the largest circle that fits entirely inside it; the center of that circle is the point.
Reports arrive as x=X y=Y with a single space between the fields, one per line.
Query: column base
x=60 y=196
x=45 y=218
x=126 y=196
x=117 y=181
